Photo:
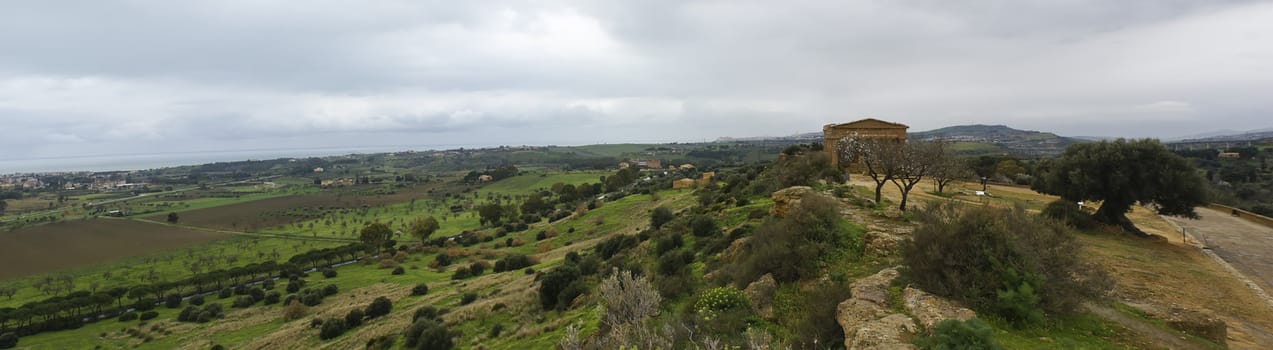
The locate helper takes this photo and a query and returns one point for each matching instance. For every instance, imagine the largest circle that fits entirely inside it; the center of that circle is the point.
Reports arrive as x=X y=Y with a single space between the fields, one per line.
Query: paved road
x=1245 y=245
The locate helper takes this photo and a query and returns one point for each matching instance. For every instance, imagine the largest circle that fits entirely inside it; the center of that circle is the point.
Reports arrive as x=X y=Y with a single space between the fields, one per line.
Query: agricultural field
x=58 y=246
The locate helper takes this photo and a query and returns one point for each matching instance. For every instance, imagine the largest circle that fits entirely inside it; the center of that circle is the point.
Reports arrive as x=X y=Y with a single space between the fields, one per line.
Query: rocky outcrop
x=889 y=332
x=867 y=320
x=930 y=309
x=878 y=244
x=761 y=294
x=788 y=198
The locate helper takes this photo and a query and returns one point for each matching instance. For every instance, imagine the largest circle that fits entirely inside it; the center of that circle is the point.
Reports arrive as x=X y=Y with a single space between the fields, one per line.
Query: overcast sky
x=118 y=77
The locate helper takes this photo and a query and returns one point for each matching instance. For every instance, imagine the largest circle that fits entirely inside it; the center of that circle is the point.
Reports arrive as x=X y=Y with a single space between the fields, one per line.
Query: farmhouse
x=865 y=128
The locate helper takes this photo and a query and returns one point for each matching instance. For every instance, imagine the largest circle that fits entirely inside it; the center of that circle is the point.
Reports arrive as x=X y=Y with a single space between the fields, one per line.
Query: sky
x=105 y=77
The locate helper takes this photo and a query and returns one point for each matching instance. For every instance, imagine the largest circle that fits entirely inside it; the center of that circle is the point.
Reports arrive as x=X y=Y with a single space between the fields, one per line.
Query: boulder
x=788 y=198
x=761 y=294
x=930 y=309
x=890 y=332
x=852 y=314
x=874 y=288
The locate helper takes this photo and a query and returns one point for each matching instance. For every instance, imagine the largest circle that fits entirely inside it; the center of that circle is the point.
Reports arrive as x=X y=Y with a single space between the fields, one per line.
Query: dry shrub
x=550 y=232
x=517 y=242
x=387 y=264
x=294 y=311
x=400 y=256
x=544 y=247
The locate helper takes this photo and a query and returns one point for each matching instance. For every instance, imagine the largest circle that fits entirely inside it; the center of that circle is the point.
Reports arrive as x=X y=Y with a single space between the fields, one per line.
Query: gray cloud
x=93 y=77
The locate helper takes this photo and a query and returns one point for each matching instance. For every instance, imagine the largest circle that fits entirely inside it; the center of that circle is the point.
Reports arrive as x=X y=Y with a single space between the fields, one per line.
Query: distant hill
x=975 y=138
x=1253 y=135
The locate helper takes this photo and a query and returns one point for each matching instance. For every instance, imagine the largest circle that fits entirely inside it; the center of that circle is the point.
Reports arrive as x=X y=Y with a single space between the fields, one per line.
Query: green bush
x=661 y=215
x=959 y=335
x=172 y=301
x=243 y=301
x=148 y=315
x=353 y=318
x=272 y=298
x=1002 y=261
x=379 y=307
x=196 y=300
x=1068 y=212
x=420 y=289
x=127 y=316
x=720 y=299
x=468 y=298
x=428 y=334
x=703 y=226
x=8 y=340
x=551 y=284
x=332 y=327
x=791 y=248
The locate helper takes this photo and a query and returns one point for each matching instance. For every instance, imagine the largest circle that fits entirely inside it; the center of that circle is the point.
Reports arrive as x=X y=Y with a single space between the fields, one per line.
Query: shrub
x=495 y=330
x=398 y=271
x=8 y=340
x=197 y=300
x=551 y=284
x=790 y=248
x=703 y=226
x=1068 y=212
x=148 y=315
x=379 y=307
x=225 y=293
x=294 y=310
x=189 y=314
x=468 y=298
x=243 y=301
x=332 y=327
x=293 y=287
x=384 y=342
x=329 y=272
x=476 y=269
x=720 y=299
x=428 y=334
x=420 y=289
x=673 y=262
x=667 y=243
x=427 y=312
x=218 y=347
x=272 y=298
x=955 y=334
x=568 y=295
x=460 y=273
x=353 y=318
x=257 y=294
x=816 y=321
x=127 y=316
x=661 y=215
x=330 y=290
x=512 y=262
x=613 y=245
x=172 y=301
x=268 y=284
x=144 y=304
x=1002 y=261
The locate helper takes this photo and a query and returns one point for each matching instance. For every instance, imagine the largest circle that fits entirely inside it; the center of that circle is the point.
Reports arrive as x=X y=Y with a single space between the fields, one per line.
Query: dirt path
x=1243 y=244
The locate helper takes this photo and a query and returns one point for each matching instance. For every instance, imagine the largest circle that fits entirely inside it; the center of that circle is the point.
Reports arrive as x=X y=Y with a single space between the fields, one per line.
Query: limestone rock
x=788 y=198
x=761 y=294
x=930 y=309
x=853 y=313
x=891 y=332
x=881 y=244
x=874 y=288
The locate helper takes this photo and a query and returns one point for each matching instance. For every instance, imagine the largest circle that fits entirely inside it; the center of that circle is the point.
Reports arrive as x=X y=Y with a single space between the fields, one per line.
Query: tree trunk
x=1115 y=213
x=878 y=187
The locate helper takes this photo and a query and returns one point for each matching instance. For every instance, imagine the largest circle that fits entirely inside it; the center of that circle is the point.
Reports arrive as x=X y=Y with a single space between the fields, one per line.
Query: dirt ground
x=59 y=246
x=251 y=216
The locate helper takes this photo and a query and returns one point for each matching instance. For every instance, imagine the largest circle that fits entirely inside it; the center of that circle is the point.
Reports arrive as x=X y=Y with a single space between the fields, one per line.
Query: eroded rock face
x=866 y=319
x=890 y=332
x=930 y=309
x=761 y=294
x=874 y=288
x=788 y=198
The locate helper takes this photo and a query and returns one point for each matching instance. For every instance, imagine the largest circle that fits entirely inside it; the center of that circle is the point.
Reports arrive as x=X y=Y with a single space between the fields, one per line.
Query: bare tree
x=915 y=161
x=880 y=157
x=948 y=169
x=9 y=290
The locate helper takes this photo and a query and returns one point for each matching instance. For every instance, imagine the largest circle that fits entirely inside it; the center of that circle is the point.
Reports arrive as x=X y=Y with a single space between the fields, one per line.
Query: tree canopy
x=375 y=234
x=424 y=227
x=1123 y=173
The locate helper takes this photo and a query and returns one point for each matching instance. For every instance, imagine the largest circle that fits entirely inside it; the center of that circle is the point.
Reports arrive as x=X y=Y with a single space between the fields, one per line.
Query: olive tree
x=1123 y=173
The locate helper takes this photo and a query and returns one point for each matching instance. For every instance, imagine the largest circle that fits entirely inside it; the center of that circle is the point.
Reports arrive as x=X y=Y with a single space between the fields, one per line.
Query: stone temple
x=865 y=128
